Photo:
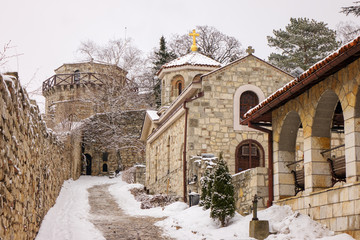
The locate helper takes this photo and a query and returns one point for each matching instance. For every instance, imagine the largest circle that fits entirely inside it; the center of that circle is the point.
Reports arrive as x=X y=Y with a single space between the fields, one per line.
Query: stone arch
x=105 y=167
x=249 y=154
x=357 y=104
x=88 y=163
x=327 y=140
x=324 y=114
x=289 y=161
x=236 y=102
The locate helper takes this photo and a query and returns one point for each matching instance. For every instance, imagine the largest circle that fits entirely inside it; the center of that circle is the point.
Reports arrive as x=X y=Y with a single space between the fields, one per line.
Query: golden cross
x=194 y=35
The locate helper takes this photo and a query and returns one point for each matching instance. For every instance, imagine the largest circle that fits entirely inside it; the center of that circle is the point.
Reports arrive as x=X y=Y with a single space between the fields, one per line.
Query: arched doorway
x=88 y=164
x=105 y=167
x=249 y=154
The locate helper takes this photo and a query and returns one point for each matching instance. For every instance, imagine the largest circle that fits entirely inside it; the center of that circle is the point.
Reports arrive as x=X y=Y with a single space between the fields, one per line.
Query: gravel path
x=114 y=223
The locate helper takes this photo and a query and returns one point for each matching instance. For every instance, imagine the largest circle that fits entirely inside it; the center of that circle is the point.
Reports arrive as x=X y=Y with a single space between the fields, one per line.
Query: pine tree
x=303 y=43
x=206 y=189
x=222 y=201
x=161 y=57
x=355 y=9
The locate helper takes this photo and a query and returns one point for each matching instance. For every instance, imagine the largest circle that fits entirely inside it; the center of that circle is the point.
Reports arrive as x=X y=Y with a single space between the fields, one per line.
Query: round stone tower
x=70 y=92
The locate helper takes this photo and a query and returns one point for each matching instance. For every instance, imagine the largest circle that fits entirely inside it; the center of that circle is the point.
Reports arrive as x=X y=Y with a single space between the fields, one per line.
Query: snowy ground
x=69 y=218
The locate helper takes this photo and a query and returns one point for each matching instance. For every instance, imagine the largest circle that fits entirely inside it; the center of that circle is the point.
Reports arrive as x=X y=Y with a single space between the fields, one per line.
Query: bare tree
x=119 y=52
x=211 y=42
x=119 y=114
x=347 y=31
x=119 y=100
x=5 y=55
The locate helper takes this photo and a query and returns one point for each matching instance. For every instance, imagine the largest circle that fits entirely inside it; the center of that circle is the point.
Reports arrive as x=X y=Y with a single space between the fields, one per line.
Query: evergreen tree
x=163 y=55
x=355 y=9
x=160 y=58
x=222 y=201
x=206 y=189
x=303 y=43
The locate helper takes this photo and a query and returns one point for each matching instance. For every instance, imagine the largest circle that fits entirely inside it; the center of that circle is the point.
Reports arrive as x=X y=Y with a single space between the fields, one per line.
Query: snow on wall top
x=153 y=114
x=193 y=58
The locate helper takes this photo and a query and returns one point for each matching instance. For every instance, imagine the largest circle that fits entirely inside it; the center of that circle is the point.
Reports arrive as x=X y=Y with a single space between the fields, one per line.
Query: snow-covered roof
x=152 y=114
x=193 y=59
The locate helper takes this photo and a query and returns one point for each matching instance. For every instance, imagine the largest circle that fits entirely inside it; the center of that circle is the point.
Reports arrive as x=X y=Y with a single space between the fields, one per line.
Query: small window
x=179 y=87
x=248 y=100
x=77 y=76
x=105 y=156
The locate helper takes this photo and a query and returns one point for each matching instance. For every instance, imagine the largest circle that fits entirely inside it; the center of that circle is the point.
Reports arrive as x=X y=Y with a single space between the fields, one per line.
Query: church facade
x=203 y=116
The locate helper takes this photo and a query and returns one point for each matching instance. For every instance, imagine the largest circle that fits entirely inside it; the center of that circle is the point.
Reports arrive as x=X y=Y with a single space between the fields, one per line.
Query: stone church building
x=77 y=101
x=202 y=104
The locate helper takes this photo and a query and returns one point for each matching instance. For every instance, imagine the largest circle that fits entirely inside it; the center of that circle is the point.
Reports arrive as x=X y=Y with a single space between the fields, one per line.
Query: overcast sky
x=48 y=32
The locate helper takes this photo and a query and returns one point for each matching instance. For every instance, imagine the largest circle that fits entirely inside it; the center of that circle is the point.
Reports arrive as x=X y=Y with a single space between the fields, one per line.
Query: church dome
x=191 y=59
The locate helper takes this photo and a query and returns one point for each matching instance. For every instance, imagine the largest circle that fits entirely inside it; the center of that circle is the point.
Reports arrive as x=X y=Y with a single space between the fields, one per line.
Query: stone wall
x=211 y=117
x=33 y=163
x=247 y=184
x=127 y=149
x=164 y=160
x=338 y=207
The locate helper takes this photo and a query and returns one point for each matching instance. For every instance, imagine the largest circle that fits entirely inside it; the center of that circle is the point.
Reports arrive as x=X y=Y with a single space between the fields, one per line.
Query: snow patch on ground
x=69 y=218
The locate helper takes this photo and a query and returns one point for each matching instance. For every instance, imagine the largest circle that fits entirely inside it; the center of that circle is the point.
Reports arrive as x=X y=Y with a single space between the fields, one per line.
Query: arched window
x=248 y=100
x=77 y=76
x=177 y=85
x=249 y=154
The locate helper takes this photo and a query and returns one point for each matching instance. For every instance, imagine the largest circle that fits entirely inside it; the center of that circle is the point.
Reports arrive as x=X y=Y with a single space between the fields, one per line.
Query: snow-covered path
x=114 y=223
x=95 y=208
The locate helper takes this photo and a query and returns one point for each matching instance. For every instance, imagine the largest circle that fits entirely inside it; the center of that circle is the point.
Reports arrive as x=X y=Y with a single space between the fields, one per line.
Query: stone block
x=341 y=223
x=344 y=194
x=259 y=229
x=323 y=212
x=348 y=208
x=337 y=210
x=354 y=222
x=333 y=196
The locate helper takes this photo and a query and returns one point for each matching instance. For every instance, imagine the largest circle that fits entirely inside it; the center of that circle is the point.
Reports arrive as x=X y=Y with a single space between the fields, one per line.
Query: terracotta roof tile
x=311 y=71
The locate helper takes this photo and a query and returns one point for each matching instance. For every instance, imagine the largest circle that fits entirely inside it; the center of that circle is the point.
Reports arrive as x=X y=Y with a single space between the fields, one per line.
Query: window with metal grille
x=248 y=100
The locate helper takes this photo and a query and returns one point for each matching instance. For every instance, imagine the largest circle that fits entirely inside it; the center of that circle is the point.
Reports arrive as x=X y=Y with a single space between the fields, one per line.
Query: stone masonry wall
x=247 y=184
x=338 y=208
x=164 y=161
x=211 y=117
x=33 y=164
x=126 y=154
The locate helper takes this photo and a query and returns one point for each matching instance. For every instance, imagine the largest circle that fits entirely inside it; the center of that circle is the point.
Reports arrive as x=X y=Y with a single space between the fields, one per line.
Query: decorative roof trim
x=240 y=60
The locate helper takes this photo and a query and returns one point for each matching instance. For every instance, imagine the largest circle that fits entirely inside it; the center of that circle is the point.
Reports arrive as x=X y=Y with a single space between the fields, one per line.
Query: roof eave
x=318 y=75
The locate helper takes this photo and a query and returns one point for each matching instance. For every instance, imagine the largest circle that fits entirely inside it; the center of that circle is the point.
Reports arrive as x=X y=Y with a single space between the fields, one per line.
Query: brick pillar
x=317 y=169
x=352 y=149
